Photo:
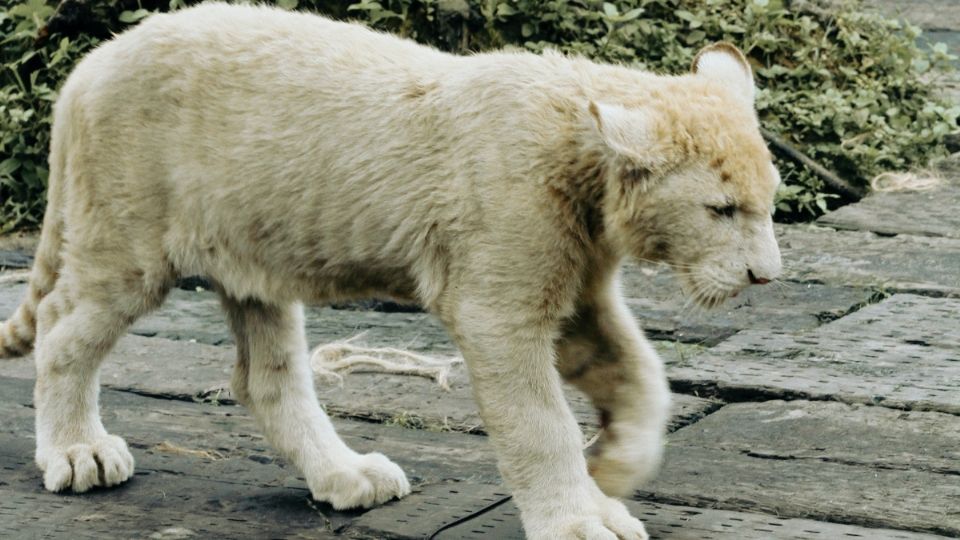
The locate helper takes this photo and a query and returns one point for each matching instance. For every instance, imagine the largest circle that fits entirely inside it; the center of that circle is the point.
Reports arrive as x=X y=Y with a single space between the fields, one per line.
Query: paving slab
x=418 y=402
x=199 y=463
x=883 y=212
x=185 y=367
x=653 y=296
x=200 y=467
x=475 y=511
x=830 y=432
x=911 y=319
x=154 y=514
x=16 y=250
x=901 y=353
x=15 y=259
x=662 y=309
x=193 y=371
x=227 y=445
x=195 y=315
x=902 y=263
x=655 y=299
x=860 y=465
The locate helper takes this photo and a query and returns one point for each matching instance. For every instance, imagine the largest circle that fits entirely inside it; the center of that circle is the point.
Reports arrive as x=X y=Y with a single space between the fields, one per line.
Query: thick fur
x=295 y=159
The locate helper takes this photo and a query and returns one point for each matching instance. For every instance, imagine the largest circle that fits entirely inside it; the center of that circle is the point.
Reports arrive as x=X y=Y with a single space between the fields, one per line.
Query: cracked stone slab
x=224 y=444
x=419 y=402
x=194 y=371
x=182 y=369
x=903 y=353
x=16 y=250
x=863 y=259
x=860 y=465
x=830 y=432
x=196 y=315
x=912 y=319
x=652 y=294
x=237 y=488
x=660 y=307
x=437 y=508
x=927 y=213
x=200 y=467
x=15 y=259
x=168 y=516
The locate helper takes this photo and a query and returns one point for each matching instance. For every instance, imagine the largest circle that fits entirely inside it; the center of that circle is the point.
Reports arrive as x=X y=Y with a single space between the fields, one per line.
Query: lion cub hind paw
x=79 y=467
x=368 y=481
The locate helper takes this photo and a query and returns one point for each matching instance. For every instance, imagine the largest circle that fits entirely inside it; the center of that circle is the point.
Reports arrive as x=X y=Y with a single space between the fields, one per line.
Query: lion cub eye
x=727 y=210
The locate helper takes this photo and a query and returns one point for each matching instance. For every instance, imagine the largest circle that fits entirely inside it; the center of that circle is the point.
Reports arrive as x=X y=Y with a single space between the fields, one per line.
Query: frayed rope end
x=921 y=180
x=330 y=362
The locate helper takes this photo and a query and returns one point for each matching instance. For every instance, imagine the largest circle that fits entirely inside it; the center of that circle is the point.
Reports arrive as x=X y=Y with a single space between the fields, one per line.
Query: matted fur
x=295 y=159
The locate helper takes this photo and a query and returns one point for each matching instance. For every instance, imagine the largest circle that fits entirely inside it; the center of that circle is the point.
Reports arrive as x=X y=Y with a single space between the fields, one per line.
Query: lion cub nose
x=756 y=280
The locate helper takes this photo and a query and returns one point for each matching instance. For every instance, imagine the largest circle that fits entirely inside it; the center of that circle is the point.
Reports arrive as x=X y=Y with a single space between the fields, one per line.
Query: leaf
x=824 y=80
x=695 y=37
x=732 y=28
x=131 y=17
x=632 y=14
x=505 y=10
x=9 y=166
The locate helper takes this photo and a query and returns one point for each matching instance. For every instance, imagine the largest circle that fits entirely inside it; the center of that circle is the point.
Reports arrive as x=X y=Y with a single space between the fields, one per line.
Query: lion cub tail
x=18 y=333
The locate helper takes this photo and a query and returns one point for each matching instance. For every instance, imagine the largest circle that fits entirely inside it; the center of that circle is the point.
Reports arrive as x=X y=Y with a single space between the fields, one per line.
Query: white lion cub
x=293 y=159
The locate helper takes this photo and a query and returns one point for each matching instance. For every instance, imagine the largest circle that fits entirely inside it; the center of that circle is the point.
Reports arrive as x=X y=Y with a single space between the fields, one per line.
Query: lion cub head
x=689 y=179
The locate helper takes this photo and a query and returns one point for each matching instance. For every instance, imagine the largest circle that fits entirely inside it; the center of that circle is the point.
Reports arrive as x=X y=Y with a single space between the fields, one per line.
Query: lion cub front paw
x=621 y=465
x=106 y=462
x=362 y=482
x=612 y=521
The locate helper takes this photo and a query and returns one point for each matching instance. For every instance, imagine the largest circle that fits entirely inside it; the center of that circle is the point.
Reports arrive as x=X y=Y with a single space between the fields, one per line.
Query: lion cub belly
x=361 y=282
x=311 y=281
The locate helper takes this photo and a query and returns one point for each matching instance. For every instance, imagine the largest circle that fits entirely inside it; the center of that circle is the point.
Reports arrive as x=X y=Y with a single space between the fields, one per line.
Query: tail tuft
x=19 y=331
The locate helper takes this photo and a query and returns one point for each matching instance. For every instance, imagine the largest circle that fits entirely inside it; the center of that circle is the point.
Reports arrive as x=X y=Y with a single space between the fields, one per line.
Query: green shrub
x=844 y=86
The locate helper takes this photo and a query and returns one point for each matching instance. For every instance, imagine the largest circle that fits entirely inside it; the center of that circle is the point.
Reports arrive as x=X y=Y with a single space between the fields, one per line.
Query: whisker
x=665 y=263
x=782 y=285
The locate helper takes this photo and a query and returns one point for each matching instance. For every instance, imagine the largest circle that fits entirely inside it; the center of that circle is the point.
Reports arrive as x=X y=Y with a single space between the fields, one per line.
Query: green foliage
x=843 y=85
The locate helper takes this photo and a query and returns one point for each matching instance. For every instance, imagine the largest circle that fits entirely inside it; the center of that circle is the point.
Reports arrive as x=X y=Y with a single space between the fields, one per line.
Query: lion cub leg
x=77 y=325
x=605 y=355
x=510 y=354
x=273 y=379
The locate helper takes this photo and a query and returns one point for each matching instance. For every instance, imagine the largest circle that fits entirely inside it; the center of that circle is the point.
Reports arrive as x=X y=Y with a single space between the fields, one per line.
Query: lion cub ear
x=632 y=135
x=725 y=63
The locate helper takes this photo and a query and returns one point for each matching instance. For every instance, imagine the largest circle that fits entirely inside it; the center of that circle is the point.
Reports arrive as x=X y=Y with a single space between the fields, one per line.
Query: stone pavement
x=827 y=406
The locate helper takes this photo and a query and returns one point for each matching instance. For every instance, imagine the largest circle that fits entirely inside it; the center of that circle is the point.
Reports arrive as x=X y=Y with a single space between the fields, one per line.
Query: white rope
x=905 y=181
x=592 y=440
x=333 y=360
